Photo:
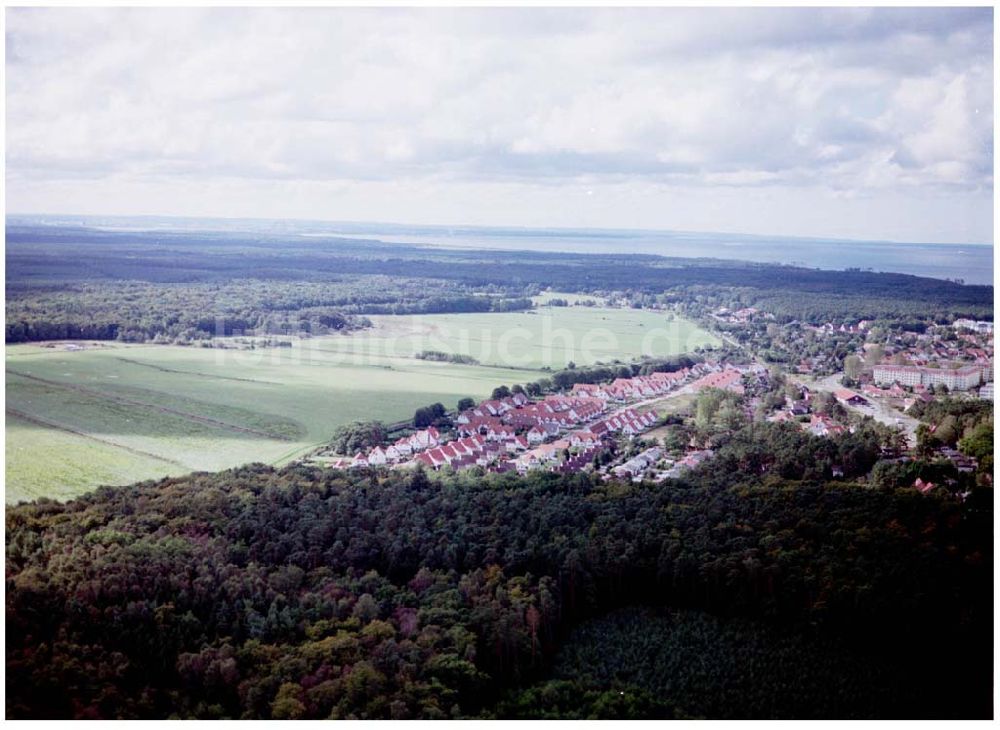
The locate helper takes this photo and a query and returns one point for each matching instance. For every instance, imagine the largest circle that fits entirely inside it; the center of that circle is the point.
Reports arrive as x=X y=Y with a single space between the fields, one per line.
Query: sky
x=857 y=123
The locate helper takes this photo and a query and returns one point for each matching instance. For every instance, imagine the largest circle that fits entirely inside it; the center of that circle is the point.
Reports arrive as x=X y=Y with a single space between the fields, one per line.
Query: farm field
x=117 y=413
x=571 y=298
x=551 y=337
x=42 y=461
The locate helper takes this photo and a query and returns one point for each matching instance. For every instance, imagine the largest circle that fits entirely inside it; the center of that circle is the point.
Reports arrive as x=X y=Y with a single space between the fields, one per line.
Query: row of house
x=702 y=375
x=586 y=441
x=516 y=432
x=461 y=453
x=638 y=464
x=641 y=386
x=829 y=328
x=403 y=449
x=496 y=431
x=744 y=315
x=728 y=378
x=537 y=421
x=492 y=421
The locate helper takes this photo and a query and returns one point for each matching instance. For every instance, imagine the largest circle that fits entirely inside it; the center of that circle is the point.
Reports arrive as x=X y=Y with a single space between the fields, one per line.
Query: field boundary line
x=195 y=374
x=477 y=364
x=82 y=434
x=140 y=404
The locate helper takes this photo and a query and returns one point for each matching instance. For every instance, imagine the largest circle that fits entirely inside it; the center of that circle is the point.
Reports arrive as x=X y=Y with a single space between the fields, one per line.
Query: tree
x=500 y=392
x=423 y=417
x=852 y=366
x=533 y=619
x=287 y=705
x=828 y=405
x=979 y=442
x=730 y=416
x=358 y=436
x=947 y=430
x=366 y=609
x=318 y=595
x=465 y=404
x=428 y=415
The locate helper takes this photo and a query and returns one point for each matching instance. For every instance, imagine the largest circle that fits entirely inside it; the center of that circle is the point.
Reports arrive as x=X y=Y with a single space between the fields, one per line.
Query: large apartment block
x=974 y=325
x=962 y=379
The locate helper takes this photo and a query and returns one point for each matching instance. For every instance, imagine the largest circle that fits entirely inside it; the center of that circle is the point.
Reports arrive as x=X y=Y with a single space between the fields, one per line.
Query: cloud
x=871 y=101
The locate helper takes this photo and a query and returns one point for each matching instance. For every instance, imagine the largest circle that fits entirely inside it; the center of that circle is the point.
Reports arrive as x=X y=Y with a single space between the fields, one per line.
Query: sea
x=967 y=263
x=970 y=263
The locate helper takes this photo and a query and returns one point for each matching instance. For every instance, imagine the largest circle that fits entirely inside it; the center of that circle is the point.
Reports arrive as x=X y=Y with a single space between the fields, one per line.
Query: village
x=893 y=376
x=602 y=426
x=897 y=371
x=582 y=429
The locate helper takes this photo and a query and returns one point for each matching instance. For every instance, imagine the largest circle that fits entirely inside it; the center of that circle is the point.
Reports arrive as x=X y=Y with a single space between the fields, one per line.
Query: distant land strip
x=163 y=409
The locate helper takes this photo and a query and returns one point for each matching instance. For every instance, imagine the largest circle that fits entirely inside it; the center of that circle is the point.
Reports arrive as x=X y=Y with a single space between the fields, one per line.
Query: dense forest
x=74 y=282
x=670 y=663
x=136 y=311
x=752 y=587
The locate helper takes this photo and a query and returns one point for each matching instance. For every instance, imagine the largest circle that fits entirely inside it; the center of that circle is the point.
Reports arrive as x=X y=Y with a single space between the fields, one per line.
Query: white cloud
x=832 y=104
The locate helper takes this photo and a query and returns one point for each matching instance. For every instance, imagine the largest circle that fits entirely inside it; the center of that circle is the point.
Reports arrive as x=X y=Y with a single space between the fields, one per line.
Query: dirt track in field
x=60 y=427
x=140 y=404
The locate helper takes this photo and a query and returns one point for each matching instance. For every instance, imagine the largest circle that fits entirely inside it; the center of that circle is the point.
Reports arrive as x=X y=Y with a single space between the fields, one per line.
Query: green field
x=571 y=298
x=550 y=337
x=115 y=413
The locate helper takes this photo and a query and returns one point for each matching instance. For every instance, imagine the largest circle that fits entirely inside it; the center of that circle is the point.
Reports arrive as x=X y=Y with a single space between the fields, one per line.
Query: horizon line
x=486 y=227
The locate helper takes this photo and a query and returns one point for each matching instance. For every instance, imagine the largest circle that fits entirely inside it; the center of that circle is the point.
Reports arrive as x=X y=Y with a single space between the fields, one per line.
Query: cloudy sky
x=871 y=124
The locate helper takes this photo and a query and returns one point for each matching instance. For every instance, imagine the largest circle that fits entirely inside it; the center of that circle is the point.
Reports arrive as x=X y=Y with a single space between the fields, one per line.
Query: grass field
x=118 y=413
x=42 y=461
x=551 y=337
x=571 y=298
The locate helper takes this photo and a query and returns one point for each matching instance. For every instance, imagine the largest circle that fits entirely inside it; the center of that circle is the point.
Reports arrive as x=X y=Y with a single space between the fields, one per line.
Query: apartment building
x=961 y=379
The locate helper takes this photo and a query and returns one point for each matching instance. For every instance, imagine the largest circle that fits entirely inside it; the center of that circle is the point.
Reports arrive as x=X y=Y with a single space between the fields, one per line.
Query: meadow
x=550 y=337
x=115 y=413
x=543 y=299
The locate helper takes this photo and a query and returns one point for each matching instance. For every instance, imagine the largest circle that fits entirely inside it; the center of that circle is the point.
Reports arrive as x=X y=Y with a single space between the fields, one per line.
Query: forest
x=75 y=282
x=135 y=311
x=312 y=593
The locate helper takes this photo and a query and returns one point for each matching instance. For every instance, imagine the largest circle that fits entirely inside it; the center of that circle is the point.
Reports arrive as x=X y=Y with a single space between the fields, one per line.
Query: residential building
x=964 y=378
